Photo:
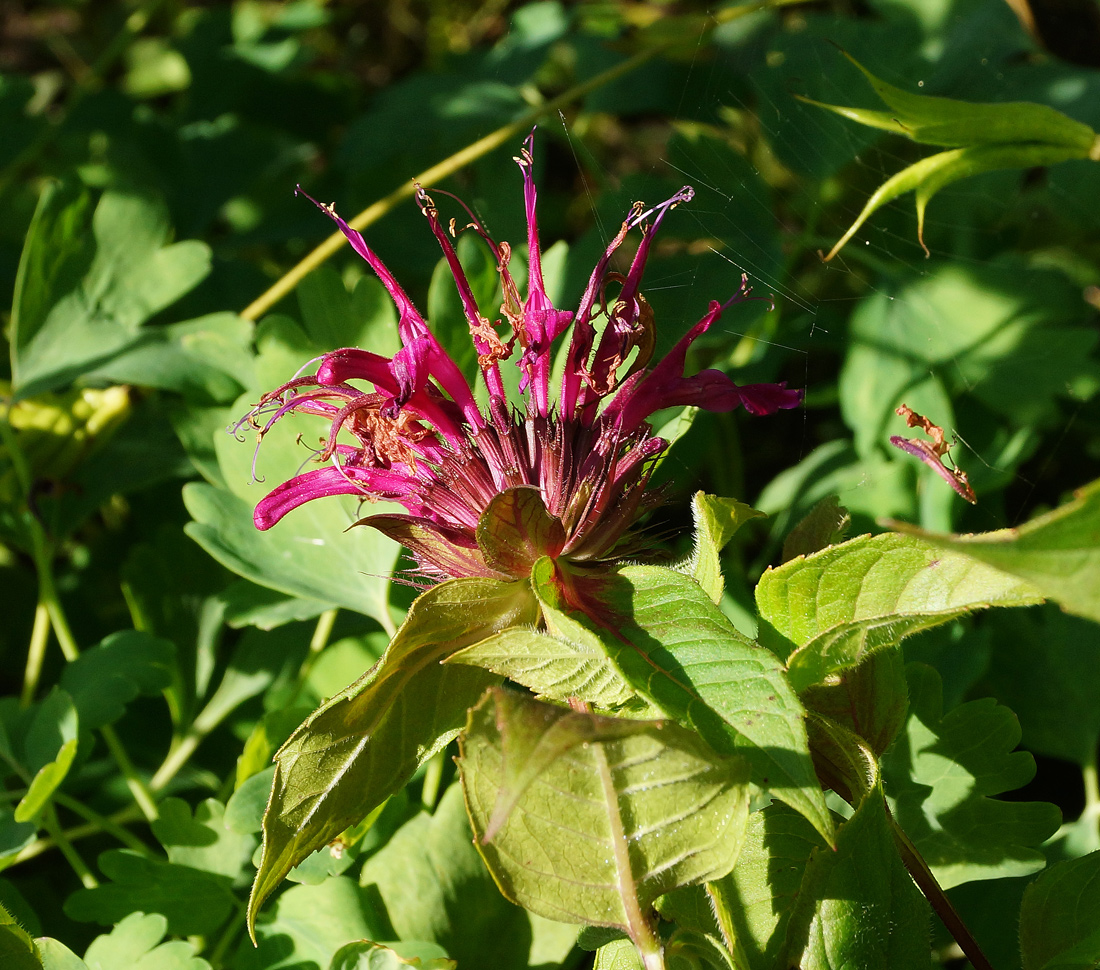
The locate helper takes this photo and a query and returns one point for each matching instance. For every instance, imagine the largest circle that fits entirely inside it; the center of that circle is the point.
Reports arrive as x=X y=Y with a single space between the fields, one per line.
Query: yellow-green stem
x=103 y=824
x=142 y=796
x=53 y=826
x=77 y=832
x=36 y=652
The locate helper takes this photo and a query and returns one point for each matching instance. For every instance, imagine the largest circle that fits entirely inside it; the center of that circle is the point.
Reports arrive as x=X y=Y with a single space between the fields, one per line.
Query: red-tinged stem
x=935 y=895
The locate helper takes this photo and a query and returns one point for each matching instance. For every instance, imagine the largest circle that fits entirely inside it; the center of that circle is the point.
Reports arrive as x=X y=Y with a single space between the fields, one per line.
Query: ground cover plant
x=654 y=541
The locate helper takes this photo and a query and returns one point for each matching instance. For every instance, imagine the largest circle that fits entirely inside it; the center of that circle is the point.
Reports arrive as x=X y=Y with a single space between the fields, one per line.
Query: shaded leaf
x=516 y=529
x=17 y=949
x=435 y=888
x=754 y=902
x=826 y=524
x=596 y=817
x=1058 y=553
x=844 y=603
x=858 y=906
x=204 y=840
x=364 y=744
x=106 y=677
x=193 y=902
x=1060 y=917
x=940 y=777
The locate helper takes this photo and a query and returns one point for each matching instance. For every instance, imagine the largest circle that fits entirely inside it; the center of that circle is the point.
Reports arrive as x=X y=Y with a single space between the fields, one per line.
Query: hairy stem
x=935 y=895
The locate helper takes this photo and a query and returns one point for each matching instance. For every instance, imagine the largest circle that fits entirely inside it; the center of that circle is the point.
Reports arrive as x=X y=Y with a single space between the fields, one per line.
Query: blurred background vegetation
x=190 y=121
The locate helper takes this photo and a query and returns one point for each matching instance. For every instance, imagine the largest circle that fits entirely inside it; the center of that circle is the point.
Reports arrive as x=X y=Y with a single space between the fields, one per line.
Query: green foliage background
x=156 y=650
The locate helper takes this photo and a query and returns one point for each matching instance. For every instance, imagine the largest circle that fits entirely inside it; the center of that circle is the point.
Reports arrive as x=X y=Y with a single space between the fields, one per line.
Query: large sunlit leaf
x=363 y=745
x=942 y=775
x=1057 y=553
x=1060 y=917
x=589 y=819
x=435 y=888
x=680 y=652
x=844 y=603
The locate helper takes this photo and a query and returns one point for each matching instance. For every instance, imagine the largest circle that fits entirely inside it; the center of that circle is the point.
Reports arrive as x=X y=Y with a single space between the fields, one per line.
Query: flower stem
x=36 y=652
x=53 y=826
x=935 y=895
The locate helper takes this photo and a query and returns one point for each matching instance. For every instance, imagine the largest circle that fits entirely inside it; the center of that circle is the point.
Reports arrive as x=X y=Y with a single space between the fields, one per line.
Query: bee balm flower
x=489 y=490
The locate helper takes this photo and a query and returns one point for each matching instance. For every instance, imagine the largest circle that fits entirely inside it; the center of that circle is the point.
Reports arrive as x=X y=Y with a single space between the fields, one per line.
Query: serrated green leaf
x=754 y=902
x=135 y=943
x=940 y=776
x=555 y=667
x=716 y=521
x=54 y=722
x=376 y=956
x=1060 y=917
x=17 y=949
x=846 y=602
x=436 y=888
x=1058 y=553
x=364 y=744
x=204 y=840
x=45 y=782
x=691 y=950
x=676 y=648
x=105 y=678
x=858 y=906
x=193 y=902
x=596 y=817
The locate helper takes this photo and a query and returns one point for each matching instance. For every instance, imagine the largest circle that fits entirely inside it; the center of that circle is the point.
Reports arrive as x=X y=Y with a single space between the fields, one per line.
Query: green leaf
x=364 y=744
x=941 y=775
x=952 y=123
x=53 y=724
x=589 y=819
x=105 y=678
x=691 y=950
x=204 y=840
x=676 y=648
x=135 y=943
x=375 y=956
x=193 y=902
x=309 y=924
x=17 y=949
x=618 y=955
x=826 y=524
x=570 y=663
x=842 y=604
x=47 y=780
x=1058 y=553
x=1046 y=668
x=858 y=906
x=931 y=174
x=109 y=283
x=57 y=956
x=1060 y=917
x=716 y=520
x=754 y=902
x=435 y=888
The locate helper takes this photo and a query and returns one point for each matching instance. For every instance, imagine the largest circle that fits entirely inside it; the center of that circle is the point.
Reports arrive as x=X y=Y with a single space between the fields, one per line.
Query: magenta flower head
x=488 y=490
